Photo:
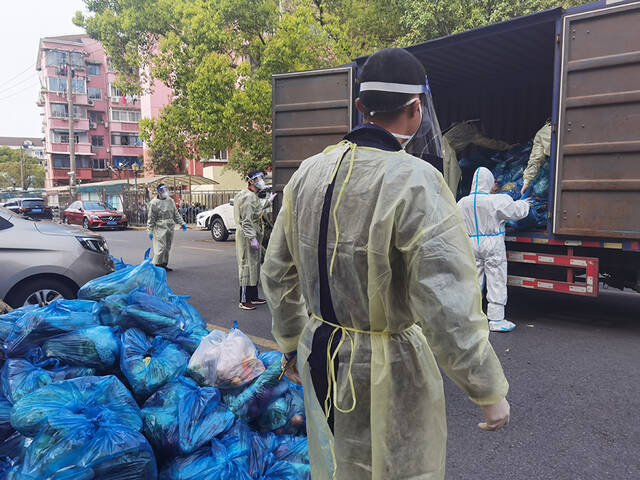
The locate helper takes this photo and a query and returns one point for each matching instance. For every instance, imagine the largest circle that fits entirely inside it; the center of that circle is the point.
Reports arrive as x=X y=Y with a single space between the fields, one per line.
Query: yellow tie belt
x=332 y=383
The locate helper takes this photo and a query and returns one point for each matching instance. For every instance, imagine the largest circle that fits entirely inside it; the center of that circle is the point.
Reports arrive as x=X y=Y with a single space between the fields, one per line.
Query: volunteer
x=371 y=282
x=163 y=216
x=247 y=211
x=539 y=154
x=484 y=214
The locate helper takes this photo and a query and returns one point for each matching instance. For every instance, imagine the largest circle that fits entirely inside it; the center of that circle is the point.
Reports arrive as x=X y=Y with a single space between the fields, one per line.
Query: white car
x=219 y=220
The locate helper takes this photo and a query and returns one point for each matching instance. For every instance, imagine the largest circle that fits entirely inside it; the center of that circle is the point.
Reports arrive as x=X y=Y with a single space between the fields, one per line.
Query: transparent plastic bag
x=225 y=360
x=80 y=396
x=96 y=347
x=149 y=363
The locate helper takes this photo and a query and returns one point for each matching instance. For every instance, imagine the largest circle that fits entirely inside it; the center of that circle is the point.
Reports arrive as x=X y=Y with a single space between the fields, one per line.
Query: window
x=130 y=139
x=55 y=58
x=60 y=161
x=95 y=93
x=99 y=164
x=57 y=84
x=61 y=136
x=131 y=116
x=223 y=155
x=93 y=69
x=97 y=140
x=95 y=117
x=116 y=95
x=5 y=224
x=59 y=110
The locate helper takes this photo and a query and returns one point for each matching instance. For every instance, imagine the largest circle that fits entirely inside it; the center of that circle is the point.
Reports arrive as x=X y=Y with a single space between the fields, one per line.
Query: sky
x=22 y=24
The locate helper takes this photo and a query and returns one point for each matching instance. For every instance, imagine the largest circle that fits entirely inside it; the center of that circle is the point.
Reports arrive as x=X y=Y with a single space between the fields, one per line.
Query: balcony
x=124 y=127
x=81 y=148
x=85 y=174
x=125 y=150
x=63 y=123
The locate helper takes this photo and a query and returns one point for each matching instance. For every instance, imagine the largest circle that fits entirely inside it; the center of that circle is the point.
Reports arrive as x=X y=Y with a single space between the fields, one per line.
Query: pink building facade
x=107 y=144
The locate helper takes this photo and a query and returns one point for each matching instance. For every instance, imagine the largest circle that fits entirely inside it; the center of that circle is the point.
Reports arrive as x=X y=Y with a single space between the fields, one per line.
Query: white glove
x=255 y=244
x=496 y=416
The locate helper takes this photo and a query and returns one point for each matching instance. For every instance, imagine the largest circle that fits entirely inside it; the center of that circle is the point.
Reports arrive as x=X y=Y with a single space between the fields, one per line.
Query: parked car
x=43 y=261
x=29 y=207
x=92 y=215
x=219 y=220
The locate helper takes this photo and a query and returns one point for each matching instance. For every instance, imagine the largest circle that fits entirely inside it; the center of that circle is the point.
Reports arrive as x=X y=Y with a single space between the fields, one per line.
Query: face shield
x=426 y=141
x=258 y=181
x=163 y=192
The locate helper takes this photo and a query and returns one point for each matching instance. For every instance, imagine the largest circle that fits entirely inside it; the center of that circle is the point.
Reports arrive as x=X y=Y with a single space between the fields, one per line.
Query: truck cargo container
x=580 y=68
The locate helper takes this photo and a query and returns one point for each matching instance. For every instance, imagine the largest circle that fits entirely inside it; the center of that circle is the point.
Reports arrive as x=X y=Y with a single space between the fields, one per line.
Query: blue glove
x=151 y=236
x=184 y=227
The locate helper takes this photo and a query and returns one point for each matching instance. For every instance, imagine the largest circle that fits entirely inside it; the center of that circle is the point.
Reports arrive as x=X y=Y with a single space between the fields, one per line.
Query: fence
x=135 y=204
x=190 y=204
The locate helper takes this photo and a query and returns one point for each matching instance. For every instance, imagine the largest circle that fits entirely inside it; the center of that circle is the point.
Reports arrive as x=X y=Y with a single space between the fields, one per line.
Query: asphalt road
x=573 y=365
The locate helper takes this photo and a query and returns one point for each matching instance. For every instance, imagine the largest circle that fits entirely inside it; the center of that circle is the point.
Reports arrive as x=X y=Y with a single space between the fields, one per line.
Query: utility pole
x=22 y=168
x=72 y=135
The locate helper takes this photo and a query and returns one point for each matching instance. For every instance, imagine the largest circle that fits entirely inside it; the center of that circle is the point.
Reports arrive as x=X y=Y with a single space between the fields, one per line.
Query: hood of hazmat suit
x=402 y=281
x=484 y=216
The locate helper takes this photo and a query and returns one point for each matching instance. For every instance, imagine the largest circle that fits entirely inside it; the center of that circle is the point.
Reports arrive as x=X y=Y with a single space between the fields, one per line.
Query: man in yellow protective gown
x=371 y=280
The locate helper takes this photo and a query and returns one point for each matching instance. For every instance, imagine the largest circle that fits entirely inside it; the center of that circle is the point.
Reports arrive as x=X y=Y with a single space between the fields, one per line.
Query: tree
x=10 y=169
x=218 y=56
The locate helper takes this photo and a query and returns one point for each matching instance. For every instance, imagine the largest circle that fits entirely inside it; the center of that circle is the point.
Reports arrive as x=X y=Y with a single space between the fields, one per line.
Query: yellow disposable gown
x=247 y=210
x=539 y=153
x=404 y=272
x=451 y=169
x=162 y=220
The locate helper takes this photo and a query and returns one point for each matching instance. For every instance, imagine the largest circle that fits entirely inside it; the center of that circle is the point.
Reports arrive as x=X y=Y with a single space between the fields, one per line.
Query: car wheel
x=85 y=223
x=218 y=231
x=40 y=291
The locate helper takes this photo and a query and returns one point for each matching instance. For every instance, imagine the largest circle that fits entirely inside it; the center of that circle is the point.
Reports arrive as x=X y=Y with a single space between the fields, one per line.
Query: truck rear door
x=597 y=185
x=311 y=110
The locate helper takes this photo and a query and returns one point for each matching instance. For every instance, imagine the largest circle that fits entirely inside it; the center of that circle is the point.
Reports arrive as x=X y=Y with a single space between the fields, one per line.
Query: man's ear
x=358 y=105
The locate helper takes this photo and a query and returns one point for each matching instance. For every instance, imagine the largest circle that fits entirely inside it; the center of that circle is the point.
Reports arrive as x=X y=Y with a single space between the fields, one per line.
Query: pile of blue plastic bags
x=508 y=167
x=128 y=383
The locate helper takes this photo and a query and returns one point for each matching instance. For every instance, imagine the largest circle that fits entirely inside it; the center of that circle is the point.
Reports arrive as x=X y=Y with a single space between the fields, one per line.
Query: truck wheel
x=218 y=231
x=39 y=291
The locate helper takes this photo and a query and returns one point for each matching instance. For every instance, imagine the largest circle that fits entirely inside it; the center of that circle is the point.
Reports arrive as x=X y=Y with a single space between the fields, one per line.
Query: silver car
x=42 y=261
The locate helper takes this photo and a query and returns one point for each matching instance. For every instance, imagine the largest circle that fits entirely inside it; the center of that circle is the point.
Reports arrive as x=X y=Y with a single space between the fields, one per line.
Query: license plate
x=112 y=223
x=36 y=210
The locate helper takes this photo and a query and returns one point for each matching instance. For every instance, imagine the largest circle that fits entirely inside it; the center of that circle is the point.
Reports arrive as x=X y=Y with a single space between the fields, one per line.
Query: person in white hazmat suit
x=484 y=214
x=371 y=282
x=162 y=219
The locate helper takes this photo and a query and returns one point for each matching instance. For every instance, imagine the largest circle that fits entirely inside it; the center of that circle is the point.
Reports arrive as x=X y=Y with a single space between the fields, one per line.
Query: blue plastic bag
x=119 y=263
x=285 y=415
x=5 y=425
x=152 y=315
x=60 y=316
x=191 y=316
x=111 y=307
x=182 y=417
x=149 y=363
x=126 y=280
x=80 y=396
x=88 y=446
x=95 y=347
x=214 y=463
x=9 y=319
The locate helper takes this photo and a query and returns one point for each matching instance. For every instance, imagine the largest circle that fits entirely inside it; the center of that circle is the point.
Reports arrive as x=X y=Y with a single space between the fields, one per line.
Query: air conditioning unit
x=106 y=124
x=93 y=125
x=108 y=150
x=90 y=102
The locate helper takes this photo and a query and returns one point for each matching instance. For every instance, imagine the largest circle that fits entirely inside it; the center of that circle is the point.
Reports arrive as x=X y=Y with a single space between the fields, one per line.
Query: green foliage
x=218 y=57
x=10 y=169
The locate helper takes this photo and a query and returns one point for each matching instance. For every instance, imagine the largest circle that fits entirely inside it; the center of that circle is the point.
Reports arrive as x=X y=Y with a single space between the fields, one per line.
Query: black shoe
x=167 y=268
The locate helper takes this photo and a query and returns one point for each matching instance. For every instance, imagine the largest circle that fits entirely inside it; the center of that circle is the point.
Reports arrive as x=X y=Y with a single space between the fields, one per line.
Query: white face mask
x=260 y=184
x=408 y=138
x=164 y=194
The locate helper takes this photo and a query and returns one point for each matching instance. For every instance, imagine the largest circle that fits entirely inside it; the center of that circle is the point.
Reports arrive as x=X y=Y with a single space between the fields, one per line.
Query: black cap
x=391 y=65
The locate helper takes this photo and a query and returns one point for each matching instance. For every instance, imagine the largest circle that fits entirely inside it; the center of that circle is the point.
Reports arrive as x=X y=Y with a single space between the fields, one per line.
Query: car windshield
x=33 y=203
x=97 y=206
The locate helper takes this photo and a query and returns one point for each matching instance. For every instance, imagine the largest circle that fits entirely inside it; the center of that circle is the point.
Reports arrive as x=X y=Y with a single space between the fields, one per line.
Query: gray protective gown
x=404 y=289
x=162 y=221
x=247 y=210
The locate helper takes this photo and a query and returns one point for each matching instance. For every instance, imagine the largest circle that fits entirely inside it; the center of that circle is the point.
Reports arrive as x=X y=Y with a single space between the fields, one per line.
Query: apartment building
x=105 y=120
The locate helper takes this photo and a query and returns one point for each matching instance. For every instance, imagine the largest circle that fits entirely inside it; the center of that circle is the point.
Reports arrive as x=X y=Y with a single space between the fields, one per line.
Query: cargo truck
x=580 y=68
